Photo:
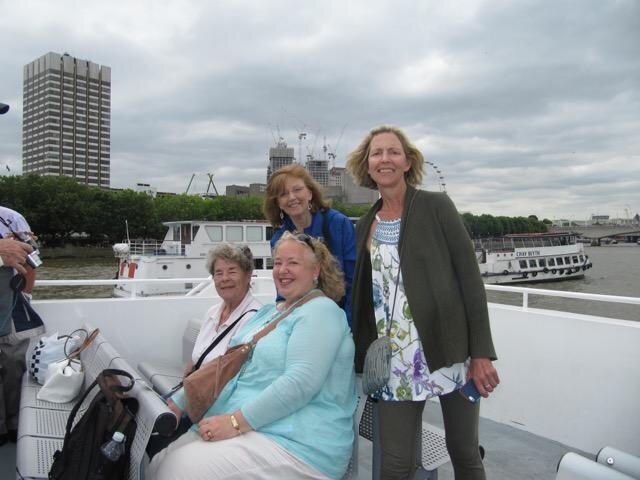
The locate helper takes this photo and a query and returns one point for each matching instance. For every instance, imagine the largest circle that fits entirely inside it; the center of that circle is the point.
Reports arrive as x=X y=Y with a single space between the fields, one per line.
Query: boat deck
x=510 y=453
x=520 y=331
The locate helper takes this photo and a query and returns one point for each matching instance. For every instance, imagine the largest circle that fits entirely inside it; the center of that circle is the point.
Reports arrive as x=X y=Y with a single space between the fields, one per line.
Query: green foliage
x=59 y=209
x=354 y=211
x=485 y=225
x=191 y=207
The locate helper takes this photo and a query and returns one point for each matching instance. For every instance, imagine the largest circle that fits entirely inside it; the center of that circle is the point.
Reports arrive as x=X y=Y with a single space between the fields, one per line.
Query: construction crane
x=332 y=150
x=211 y=191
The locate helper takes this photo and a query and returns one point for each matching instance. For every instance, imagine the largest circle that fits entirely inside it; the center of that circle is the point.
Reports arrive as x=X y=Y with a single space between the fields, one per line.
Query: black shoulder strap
x=218 y=339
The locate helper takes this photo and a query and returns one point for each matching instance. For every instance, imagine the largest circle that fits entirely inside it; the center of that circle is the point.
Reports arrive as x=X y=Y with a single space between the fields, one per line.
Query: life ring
x=123 y=265
x=553 y=271
x=534 y=274
x=525 y=275
x=132 y=269
x=505 y=272
x=545 y=270
x=561 y=271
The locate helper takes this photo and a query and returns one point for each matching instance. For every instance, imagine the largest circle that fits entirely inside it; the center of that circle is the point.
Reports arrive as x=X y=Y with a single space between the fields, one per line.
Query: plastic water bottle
x=114 y=448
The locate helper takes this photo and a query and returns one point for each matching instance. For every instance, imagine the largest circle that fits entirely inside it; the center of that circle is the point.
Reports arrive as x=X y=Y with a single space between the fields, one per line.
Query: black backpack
x=109 y=411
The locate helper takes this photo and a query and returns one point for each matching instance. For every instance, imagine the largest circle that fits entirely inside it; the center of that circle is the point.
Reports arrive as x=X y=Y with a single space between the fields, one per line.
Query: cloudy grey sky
x=527 y=107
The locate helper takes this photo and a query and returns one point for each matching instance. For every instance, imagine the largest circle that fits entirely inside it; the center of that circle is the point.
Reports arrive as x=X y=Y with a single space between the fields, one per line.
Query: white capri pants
x=248 y=456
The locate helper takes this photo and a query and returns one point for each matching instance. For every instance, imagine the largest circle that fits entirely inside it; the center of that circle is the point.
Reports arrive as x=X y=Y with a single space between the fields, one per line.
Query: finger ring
x=487 y=386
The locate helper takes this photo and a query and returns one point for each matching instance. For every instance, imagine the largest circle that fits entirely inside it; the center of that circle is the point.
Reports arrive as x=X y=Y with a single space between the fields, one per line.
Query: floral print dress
x=410 y=378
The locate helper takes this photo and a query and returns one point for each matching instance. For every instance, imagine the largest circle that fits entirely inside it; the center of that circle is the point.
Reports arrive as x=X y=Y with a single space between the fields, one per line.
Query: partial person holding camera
x=420 y=318
x=18 y=322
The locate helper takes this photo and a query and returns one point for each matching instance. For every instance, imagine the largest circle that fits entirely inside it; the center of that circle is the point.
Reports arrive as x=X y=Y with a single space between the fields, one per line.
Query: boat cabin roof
x=216 y=222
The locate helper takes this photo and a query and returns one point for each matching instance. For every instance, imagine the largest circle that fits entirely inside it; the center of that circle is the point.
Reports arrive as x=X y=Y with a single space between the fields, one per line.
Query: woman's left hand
x=484 y=375
x=221 y=427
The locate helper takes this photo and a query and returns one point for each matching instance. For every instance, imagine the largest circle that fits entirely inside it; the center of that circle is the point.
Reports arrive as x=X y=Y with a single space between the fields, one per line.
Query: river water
x=616 y=271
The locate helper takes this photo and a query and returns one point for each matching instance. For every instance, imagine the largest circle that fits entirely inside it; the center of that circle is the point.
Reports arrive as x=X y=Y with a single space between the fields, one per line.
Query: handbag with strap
x=215 y=342
x=203 y=386
x=64 y=378
x=55 y=348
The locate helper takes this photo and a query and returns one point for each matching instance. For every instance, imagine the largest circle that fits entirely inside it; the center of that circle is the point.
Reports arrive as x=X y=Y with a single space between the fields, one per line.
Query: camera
x=33 y=259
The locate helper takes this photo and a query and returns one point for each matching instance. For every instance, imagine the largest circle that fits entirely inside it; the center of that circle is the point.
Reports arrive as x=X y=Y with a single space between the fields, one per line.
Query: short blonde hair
x=331 y=278
x=358 y=160
x=240 y=254
x=275 y=186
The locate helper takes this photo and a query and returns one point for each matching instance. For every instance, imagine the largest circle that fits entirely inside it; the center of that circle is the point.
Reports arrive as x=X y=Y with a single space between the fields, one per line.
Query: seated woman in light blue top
x=289 y=412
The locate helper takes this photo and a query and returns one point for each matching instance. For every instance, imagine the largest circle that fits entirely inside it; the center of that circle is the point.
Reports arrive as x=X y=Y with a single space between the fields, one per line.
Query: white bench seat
x=42 y=425
x=165 y=377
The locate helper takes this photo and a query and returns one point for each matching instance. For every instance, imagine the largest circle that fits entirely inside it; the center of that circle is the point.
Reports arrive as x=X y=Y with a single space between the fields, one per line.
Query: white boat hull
x=183 y=254
x=504 y=261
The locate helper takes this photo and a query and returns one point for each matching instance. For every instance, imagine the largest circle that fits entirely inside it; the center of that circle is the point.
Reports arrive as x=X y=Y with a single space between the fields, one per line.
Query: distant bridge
x=598 y=232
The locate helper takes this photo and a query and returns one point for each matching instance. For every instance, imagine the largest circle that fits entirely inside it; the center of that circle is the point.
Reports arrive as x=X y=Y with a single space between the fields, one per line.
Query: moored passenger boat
x=183 y=253
x=531 y=257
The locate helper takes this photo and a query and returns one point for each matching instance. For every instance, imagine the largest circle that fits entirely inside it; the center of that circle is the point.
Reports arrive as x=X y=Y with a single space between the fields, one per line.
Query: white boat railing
x=202 y=282
x=564 y=294
x=134 y=282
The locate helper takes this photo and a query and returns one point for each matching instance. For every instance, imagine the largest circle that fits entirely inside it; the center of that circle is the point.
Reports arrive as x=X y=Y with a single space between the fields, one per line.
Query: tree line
x=60 y=210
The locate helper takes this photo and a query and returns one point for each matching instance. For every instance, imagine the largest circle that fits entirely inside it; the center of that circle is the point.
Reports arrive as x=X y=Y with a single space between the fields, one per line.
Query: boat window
x=185 y=234
x=194 y=231
x=234 y=233
x=269 y=263
x=533 y=263
x=552 y=262
x=523 y=264
x=214 y=232
x=581 y=259
x=269 y=233
x=556 y=241
x=546 y=242
x=567 y=261
x=542 y=262
x=258 y=263
x=254 y=234
x=559 y=261
x=175 y=233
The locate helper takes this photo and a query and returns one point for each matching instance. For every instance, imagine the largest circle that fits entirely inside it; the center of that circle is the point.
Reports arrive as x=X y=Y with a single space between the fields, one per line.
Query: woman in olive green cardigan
x=417 y=277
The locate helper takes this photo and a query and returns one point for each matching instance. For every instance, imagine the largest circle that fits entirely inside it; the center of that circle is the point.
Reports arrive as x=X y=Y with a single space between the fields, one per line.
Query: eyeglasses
x=304 y=238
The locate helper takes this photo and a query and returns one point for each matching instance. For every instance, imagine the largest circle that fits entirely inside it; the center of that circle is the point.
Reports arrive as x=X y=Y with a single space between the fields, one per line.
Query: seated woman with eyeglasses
x=288 y=413
x=230 y=267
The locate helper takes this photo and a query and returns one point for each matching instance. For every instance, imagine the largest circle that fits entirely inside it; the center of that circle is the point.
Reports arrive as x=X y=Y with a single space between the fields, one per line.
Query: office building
x=67 y=119
x=319 y=170
x=279 y=156
x=236 y=191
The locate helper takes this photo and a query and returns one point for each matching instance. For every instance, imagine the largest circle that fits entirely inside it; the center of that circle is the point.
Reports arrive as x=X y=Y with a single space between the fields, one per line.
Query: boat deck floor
x=510 y=453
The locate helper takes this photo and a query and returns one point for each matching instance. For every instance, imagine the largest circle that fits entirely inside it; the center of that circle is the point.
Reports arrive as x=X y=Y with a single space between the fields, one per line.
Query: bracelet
x=234 y=422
